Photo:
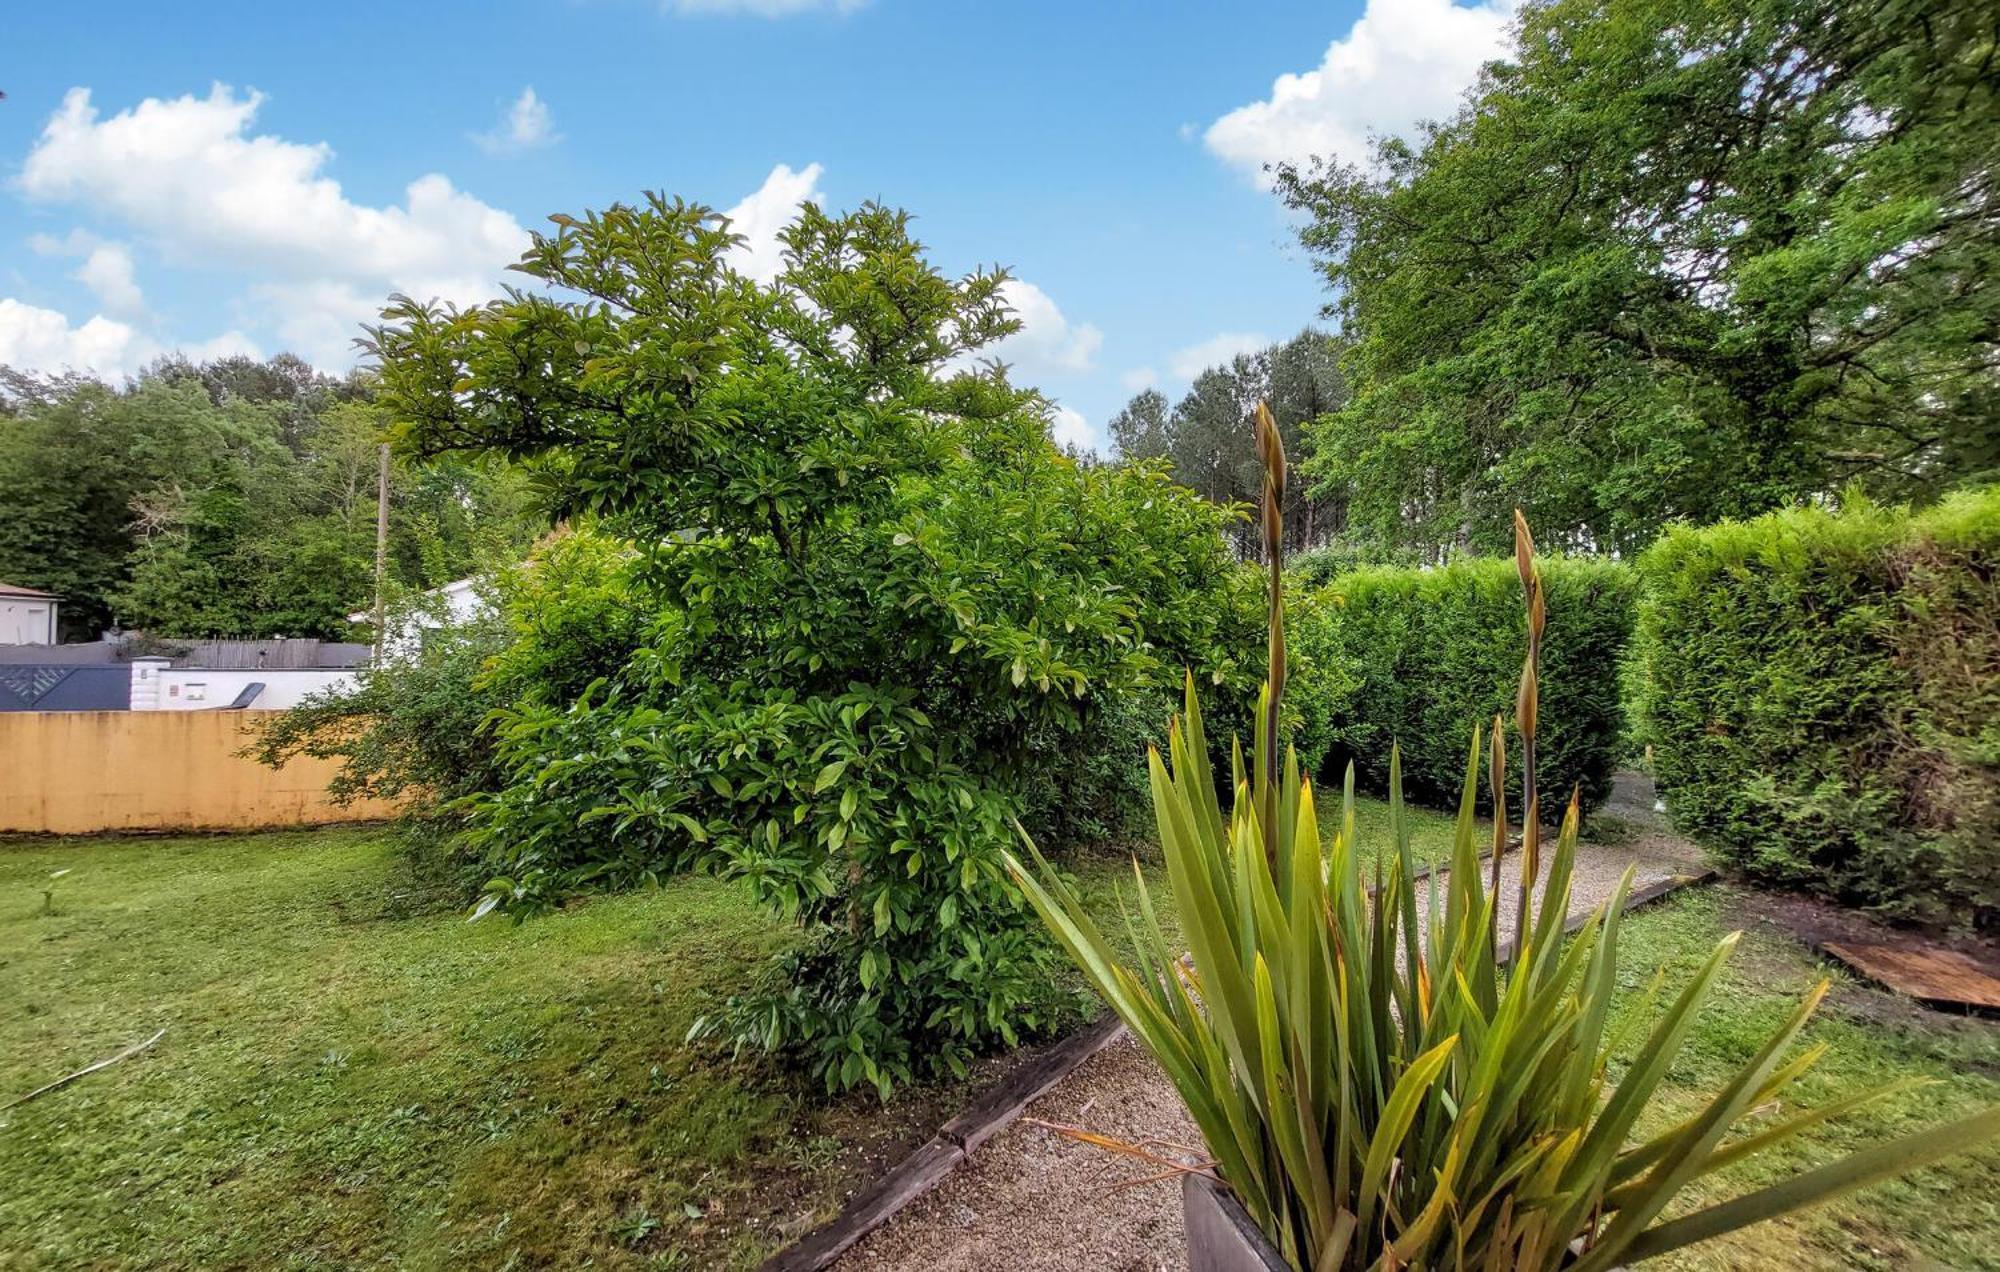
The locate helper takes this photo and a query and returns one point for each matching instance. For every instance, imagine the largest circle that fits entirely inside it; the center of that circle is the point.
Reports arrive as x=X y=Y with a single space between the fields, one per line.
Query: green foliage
x=1207 y=433
x=1413 y=658
x=1380 y=1091
x=1320 y=566
x=1675 y=259
x=232 y=498
x=878 y=598
x=462 y=719
x=572 y=616
x=1821 y=691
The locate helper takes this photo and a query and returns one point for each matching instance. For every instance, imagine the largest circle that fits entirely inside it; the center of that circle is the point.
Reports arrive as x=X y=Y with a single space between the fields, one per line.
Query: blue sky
x=234 y=177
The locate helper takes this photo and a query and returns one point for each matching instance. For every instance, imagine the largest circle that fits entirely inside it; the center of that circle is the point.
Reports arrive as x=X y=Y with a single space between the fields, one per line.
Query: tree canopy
x=1208 y=438
x=234 y=497
x=883 y=607
x=1673 y=259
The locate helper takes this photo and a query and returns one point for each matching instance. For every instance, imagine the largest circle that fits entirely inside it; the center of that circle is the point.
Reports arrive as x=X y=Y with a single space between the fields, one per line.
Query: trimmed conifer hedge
x=1418 y=656
x=1822 y=691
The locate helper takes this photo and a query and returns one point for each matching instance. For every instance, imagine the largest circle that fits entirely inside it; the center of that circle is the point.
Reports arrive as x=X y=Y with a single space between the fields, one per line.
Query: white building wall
x=27 y=621
x=158 y=688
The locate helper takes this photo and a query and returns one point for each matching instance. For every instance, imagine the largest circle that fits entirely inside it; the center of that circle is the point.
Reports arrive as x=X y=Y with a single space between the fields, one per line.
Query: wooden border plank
x=988 y=1115
x=916 y=1175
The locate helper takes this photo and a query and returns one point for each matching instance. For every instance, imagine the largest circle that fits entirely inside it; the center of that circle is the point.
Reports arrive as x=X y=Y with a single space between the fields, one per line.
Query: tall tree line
x=234 y=497
x=1208 y=438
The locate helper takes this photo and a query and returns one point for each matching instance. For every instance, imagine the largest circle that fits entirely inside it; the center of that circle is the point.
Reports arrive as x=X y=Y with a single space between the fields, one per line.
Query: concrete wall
x=195 y=689
x=75 y=772
x=27 y=621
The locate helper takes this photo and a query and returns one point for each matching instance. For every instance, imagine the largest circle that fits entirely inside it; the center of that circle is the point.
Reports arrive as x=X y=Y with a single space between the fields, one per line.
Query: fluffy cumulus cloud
x=1404 y=61
x=1218 y=349
x=37 y=339
x=526 y=125
x=765 y=211
x=1047 y=341
x=1069 y=428
x=106 y=269
x=760 y=8
x=43 y=340
x=190 y=178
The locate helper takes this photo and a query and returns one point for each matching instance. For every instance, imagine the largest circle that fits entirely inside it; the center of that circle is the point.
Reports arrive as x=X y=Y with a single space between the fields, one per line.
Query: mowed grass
x=351 y=1076
x=348 y=1080
x=340 y=1086
x=1947 y=1215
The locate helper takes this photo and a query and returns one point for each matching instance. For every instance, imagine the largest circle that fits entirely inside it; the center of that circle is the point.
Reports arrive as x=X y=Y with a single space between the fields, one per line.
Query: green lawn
x=350 y=1076
x=1948 y=1214
x=347 y=1079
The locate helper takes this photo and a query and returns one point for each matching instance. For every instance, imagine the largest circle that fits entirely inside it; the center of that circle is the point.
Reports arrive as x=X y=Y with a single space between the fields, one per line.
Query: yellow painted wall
x=74 y=772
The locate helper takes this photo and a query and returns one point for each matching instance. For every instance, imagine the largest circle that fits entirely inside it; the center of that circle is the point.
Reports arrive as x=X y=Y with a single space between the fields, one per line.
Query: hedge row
x=1823 y=695
x=1419 y=656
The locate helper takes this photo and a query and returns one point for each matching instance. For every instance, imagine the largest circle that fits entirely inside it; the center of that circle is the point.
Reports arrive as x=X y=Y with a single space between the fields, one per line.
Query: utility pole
x=381 y=552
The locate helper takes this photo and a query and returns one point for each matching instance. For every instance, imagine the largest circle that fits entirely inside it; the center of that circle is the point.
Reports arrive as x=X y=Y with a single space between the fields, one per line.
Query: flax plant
x=1381 y=1079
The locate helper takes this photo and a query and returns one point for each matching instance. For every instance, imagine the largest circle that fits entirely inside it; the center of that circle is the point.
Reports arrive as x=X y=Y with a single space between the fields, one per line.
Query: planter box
x=1220 y=1235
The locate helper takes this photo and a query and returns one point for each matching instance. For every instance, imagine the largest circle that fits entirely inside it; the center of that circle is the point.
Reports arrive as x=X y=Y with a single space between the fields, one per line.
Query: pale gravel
x=1032 y=1199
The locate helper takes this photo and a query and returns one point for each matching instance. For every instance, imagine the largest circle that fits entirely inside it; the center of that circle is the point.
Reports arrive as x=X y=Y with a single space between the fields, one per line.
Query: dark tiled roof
x=96 y=653
x=213 y=655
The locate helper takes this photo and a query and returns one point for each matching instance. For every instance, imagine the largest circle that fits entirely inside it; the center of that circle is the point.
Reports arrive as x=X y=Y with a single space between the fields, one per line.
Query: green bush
x=1409 y=657
x=420 y=726
x=572 y=616
x=882 y=601
x=1822 y=692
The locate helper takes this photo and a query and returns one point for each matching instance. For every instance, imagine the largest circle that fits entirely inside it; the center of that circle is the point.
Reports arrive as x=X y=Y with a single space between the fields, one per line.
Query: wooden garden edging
x=984 y=1118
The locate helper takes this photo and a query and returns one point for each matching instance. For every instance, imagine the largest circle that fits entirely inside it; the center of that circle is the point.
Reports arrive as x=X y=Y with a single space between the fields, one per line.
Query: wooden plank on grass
x=1925 y=972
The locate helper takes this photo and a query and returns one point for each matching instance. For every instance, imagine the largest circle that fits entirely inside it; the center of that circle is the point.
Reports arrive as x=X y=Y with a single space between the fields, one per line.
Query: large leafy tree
x=1674 y=259
x=875 y=581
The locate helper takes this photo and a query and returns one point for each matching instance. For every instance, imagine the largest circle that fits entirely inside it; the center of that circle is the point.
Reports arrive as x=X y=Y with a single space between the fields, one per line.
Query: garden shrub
x=1822 y=693
x=1410 y=657
x=881 y=600
x=571 y=617
x=420 y=725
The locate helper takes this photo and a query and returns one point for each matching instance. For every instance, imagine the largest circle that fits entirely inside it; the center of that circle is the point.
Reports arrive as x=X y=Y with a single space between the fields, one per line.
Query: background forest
x=233 y=498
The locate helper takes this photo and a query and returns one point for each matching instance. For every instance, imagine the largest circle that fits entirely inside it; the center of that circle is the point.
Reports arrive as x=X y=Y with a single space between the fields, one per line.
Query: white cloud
x=759 y=8
x=107 y=269
x=188 y=176
x=1047 y=341
x=1215 y=351
x=526 y=126
x=1068 y=428
x=36 y=339
x=1402 y=62
x=765 y=211
x=1139 y=378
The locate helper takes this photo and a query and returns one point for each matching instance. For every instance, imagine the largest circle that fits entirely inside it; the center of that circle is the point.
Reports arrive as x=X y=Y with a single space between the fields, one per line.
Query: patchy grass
x=1947 y=1214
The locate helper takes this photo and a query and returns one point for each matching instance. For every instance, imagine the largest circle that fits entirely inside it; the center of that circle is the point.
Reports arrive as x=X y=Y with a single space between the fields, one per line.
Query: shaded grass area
x=1948 y=1214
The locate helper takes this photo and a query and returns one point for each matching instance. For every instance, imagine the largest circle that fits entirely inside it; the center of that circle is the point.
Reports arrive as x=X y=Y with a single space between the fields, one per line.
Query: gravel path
x=1032 y=1199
